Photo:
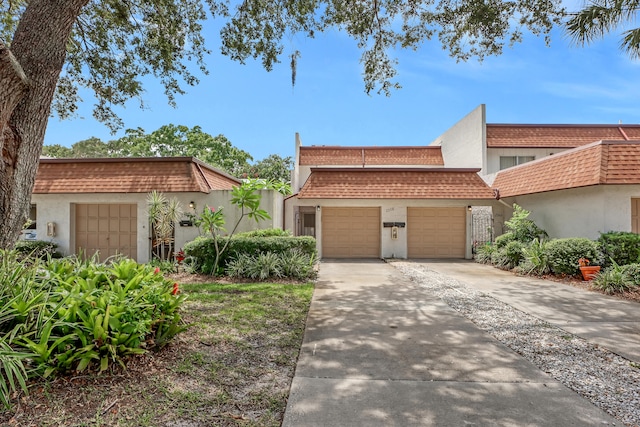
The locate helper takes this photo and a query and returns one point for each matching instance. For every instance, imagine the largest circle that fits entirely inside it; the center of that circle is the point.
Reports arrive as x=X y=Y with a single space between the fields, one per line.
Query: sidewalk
x=379 y=351
x=601 y=319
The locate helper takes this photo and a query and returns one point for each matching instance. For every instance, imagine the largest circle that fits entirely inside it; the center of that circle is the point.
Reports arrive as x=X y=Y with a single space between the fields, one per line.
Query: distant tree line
x=180 y=141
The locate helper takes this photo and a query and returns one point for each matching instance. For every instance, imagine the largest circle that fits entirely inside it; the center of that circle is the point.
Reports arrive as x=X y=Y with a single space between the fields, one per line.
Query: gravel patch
x=608 y=380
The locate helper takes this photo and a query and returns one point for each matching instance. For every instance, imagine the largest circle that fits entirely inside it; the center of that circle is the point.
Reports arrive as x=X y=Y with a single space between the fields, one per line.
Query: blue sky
x=260 y=112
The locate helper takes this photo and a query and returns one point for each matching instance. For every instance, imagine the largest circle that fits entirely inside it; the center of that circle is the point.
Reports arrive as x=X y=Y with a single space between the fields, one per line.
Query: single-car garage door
x=350 y=232
x=436 y=232
x=108 y=229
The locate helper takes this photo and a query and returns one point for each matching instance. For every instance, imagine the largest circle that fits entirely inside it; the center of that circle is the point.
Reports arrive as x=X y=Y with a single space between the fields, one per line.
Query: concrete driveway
x=380 y=351
x=601 y=319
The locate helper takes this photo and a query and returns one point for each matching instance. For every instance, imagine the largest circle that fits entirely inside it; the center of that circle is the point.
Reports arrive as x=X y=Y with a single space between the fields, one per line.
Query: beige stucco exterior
x=59 y=209
x=391 y=210
x=581 y=212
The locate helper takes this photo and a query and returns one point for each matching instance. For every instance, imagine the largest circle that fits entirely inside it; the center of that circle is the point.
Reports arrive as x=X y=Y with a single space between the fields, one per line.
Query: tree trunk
x=29 y=72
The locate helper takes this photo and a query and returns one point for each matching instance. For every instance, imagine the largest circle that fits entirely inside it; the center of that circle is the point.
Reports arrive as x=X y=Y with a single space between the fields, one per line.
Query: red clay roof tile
x=395 y=184
x=603 y=162
x=371 y=156
x=556 y=136
x=129 y=175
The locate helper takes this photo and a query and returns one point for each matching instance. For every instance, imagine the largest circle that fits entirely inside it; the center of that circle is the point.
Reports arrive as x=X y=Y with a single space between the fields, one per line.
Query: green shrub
x=265 y=232
x=201 y=251
x=632 y=271
x=613 y=279
x=483 y=253
x=535 y=260
x=504 y=239
x=563 y=254
x=293 y=264
x=72 y=314
x=508 y=256
x=621 y=247
x=523 y=229
x=37 y=249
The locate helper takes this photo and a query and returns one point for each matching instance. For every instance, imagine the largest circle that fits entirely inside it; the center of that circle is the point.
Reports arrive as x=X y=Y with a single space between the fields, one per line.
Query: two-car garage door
x=351 y=232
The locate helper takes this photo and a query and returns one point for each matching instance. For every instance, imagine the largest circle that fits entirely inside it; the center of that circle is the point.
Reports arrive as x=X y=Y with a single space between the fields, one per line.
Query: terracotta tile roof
x=350 y=183
x=129 y=175
x=371 y=156
x=556 y=136
x=603 y=162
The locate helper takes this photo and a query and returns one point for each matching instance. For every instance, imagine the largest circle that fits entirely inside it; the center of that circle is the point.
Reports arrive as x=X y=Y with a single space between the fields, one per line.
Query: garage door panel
x=436 y=232
x=108 y=229
x=351 y=232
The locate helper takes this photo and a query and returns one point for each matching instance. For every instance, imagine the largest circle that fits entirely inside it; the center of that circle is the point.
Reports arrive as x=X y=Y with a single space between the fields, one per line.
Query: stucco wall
x=463 y=145
x=493 y=155
x=58 y=208
x=581 y=212
x=390 y=211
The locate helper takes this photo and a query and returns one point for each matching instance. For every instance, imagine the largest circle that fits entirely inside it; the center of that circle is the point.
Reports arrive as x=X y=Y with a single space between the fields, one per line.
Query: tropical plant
x=245 y=197
x=484 y=252
x=600 y=17
x=163 y=215
x=522 y=228
x=535 y=259
x=613 y=279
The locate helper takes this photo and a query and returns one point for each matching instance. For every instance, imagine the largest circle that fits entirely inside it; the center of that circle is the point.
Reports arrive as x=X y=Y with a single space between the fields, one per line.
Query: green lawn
x=233 y=366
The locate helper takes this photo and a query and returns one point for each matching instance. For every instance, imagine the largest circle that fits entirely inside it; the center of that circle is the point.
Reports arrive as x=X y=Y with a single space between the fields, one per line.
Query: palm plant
x=599 y=17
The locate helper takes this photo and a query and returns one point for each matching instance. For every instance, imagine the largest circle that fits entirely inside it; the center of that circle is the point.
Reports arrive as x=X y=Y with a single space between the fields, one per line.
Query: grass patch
x=232 y=367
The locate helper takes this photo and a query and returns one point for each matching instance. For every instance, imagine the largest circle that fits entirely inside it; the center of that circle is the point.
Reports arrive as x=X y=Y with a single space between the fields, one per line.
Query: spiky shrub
x=535 y=260
x=508 y=256
x=563 y=254
x=613 y=279
x=201 y=252
x=484 y=252
x=293 y=264
x=620 y=247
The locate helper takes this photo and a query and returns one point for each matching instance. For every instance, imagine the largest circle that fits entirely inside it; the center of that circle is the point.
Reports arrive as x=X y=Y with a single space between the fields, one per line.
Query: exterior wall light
x=192 y=204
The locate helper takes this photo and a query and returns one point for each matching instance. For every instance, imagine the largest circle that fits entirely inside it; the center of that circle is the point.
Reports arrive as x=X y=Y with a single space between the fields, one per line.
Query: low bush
x=201 y=251
x=535 y=259
x=70 y=314
x=504 y=239
x=484 y=252
x=615 y=278
x=37 y=249
x=265 y=232
x=563 y=254
x=632 y=271
x=293 y=264
x=508 y=256
x=620 y=247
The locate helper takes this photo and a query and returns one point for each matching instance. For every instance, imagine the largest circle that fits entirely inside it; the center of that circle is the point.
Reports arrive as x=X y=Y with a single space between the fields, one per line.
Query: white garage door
x=350 y=232
x=436 y=232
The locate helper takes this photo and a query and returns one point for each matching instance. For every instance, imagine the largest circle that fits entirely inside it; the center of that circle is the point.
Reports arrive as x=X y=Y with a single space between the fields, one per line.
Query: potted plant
x=588 y=271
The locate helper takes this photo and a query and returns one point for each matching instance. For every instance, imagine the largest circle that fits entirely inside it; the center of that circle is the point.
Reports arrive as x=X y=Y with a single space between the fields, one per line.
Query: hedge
x=201 y=252
x=621 y=247
x=563 y=254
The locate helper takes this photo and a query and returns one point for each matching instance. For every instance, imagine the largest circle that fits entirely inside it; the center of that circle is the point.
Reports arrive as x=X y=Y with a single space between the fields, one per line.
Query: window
x=509 y=161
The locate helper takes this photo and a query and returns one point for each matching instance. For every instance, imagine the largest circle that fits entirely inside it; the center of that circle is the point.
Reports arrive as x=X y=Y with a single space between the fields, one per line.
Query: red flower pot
x=589 y=271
